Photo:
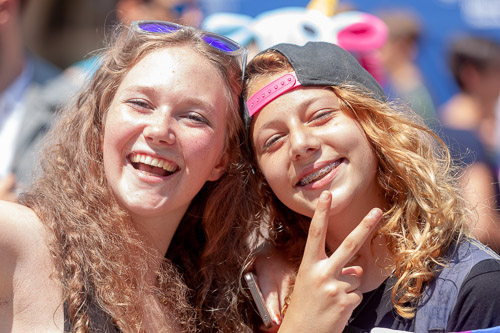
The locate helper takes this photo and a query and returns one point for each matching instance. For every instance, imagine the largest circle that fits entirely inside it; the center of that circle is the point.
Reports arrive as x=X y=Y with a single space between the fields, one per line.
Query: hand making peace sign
x=325 y=291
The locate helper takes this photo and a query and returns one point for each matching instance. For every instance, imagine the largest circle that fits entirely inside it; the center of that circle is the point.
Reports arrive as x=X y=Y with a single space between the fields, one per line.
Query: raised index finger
x=353 y=242
x=315 y=244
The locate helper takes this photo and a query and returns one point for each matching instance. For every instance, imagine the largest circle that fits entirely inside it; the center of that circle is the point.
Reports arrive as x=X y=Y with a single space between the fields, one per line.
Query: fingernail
x=375 y=213
x=324 y=195
x=276 y=319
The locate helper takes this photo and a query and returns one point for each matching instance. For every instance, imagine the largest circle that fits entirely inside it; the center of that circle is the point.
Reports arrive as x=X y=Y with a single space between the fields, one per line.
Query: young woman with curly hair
x=327 y=144
x=136 y=221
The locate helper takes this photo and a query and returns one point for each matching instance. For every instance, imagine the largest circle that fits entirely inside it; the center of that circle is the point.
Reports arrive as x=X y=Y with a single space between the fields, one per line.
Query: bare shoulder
x=30 y=297
x=20 y=229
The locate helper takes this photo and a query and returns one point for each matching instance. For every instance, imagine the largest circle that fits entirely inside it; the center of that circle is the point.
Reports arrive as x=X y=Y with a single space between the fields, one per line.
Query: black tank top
x=100 y=321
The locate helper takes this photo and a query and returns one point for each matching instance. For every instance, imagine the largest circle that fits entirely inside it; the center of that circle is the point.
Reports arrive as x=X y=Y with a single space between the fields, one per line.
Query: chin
x=306 y=210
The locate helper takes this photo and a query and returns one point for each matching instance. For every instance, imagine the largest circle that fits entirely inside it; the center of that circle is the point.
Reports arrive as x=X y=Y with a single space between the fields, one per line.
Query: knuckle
x=345 y=305
x=326 y=273
x=332 y=290
x=349 y=303
x=355 y=299
x=350 y=244
x=315 y=232
x=366 y=224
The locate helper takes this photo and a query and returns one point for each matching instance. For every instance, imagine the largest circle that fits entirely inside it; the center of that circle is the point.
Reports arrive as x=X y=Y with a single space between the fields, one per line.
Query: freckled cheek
x=366 y=156
x=117 y=136
x=349 y=138
x=113 y=137
x=274 y=171
x=203 y=147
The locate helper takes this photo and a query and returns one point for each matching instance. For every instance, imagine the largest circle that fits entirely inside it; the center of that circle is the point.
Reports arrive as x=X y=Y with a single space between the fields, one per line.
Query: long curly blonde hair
x=426 y=212
x=99 y=257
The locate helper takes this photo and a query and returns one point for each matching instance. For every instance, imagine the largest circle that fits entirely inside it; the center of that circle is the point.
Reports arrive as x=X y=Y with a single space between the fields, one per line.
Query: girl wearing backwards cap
x=328 y=146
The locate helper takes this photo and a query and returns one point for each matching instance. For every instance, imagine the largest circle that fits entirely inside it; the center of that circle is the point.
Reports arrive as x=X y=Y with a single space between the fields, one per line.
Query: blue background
x=441 y=20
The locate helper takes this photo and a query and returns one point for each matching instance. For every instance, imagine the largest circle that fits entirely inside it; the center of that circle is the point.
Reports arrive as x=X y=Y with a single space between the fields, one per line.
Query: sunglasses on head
x=216 y=41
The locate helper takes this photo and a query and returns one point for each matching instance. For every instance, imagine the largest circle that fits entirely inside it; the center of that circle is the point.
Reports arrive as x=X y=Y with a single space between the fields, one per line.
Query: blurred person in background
x=403 y=78
x=185 y=12
x=469 y=118
x=22 y=75
x=477 y=181
x=475 y=64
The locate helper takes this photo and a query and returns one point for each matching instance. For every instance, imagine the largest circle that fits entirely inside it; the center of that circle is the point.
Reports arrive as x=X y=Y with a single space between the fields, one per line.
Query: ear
x=220 y=168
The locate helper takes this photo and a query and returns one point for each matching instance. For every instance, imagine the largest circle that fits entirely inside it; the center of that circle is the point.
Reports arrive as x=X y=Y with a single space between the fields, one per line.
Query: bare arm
x=18 y=234
x=10 y=245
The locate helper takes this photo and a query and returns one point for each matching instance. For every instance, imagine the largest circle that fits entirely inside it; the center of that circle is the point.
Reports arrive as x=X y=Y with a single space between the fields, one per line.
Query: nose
x=160 y=130
x=302 y=142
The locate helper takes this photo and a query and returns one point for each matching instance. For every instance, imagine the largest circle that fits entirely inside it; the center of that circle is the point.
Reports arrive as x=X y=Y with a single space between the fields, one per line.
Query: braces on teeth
x=318 y=174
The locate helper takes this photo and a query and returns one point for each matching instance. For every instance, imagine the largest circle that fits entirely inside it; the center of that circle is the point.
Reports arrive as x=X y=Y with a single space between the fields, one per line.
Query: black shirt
x=477 y=306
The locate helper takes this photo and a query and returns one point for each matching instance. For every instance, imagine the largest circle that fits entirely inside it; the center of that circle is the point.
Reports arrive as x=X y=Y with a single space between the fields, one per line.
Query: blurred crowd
x=45 y=53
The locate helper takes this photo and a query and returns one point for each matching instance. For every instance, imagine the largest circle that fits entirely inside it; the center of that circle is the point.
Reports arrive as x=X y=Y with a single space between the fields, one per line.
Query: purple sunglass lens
x=220 y=44
x=214 y=41
x=158 y=27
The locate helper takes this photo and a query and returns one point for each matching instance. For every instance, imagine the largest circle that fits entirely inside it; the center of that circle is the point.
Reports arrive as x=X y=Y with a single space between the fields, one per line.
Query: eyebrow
x=199 y=103
x=138 y=88
x=271 y=124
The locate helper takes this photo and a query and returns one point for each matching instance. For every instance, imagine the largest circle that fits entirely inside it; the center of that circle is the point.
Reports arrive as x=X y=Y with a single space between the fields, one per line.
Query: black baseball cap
x=316 y=64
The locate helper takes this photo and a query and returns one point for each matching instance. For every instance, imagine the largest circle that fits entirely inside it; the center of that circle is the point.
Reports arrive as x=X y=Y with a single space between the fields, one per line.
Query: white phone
x=258 y=299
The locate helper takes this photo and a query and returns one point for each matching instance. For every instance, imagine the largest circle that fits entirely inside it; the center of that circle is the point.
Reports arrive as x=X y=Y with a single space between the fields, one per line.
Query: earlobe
x=220 y=168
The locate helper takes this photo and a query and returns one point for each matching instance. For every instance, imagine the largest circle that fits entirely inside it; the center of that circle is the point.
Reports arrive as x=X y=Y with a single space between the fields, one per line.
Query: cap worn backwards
x=315 y=64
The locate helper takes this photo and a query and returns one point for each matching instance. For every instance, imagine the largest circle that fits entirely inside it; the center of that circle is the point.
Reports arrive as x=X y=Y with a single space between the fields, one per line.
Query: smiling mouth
x=152 y=165
x=319 y=174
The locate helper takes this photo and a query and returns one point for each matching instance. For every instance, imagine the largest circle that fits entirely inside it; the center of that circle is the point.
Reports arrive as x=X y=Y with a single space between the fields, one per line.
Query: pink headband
x=271 y=91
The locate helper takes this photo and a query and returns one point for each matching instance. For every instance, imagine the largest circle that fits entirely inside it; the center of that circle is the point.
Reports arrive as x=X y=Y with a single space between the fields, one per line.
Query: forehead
x=178 y=72
x=181 y=62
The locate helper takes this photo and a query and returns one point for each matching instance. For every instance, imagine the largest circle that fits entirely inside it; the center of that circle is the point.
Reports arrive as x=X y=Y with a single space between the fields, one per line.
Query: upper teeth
x=153 y=161
x=320 y=173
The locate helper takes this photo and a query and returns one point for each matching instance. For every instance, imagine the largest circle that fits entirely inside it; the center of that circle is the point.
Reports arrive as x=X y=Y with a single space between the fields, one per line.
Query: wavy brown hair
x=99 y=257
x=426 y=213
